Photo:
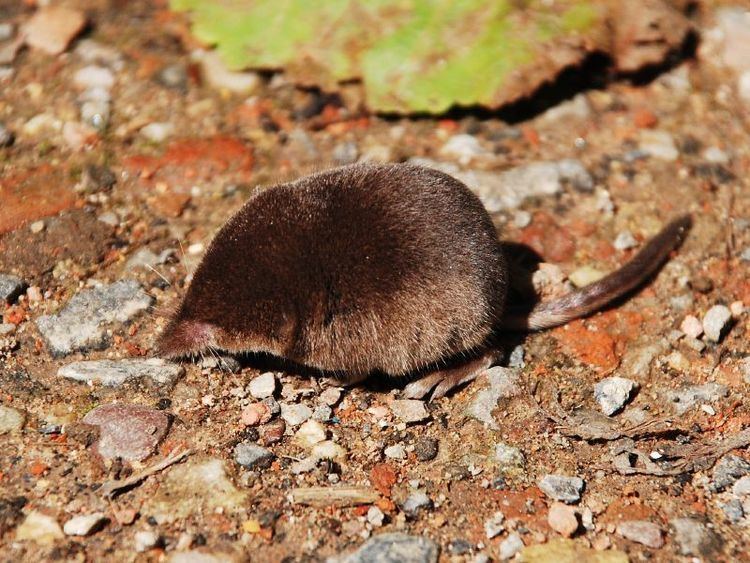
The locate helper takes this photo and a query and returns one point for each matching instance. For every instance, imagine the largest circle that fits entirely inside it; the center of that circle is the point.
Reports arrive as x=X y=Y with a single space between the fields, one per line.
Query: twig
x=334 y=496
x=110 y=488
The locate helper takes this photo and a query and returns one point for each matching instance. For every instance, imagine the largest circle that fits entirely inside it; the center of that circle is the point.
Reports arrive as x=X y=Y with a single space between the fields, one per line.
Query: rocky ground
x=619 y=437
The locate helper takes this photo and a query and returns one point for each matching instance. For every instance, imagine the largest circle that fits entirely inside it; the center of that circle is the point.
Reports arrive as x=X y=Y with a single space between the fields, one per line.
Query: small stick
x=334 y=496
x=110 y=488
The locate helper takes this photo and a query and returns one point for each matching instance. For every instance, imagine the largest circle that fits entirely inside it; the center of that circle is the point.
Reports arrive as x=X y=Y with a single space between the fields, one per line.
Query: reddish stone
x=130 y=432
x=597 y=349
x=169 y=204
x=645 y=119
x=383 y=477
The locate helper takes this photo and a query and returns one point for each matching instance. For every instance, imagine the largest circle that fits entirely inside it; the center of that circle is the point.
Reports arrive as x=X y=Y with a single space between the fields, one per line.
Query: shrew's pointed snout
x=184 y=338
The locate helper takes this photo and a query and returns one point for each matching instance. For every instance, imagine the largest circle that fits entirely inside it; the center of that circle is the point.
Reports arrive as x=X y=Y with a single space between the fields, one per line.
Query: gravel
x=658 y=144
x=416 y=502
x=310 y=433
x=494 y=526
x=641 y=531
x=510 y=546
x=84 y=322
x=509 y=457
x=84 y=525
x=145 y=540
x=562 y=488
x=39 y=528
x=409 y=410
x=93 y=76
x=397 y=451
x=426 y=449
x=114 y=373
x=251 y=456
x=716 y=321
x=727 y=471
x=563 y=519
x=612 y=393
x=11 y=287
x=395 y=548
x=10 y=419
x=127 y=431
x=295 y=414
x=263 y=385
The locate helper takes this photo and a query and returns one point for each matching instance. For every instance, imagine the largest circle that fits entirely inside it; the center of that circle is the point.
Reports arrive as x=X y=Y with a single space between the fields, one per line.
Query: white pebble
x=625 y=240
x=311 y=432
x=715 y=322
x=395 y=452
x=93 y=76
x=691 y=326
x=83 y=525
x=263 y=386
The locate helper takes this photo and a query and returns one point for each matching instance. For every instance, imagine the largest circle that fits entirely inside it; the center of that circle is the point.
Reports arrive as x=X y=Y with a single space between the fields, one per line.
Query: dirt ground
x=175 y=157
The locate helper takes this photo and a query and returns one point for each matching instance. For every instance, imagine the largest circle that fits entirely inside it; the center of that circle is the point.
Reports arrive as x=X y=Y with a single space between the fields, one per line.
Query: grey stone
x=130 y=432
x=263 y=385
x=113 y=373
x=494 y=526
x=612 y=393
x=510 y=546
x=397 y=451
x=686 y=398
x=641 y=531
x=345 y=153
x=409 y=410
x=516 y=359
x=322 y=413
x=426 y=449
x=294 y=414
x=574 y=172
x=11 y=287
x=395 y=548
x=716 y=321
x=10 y=419
x=694 y=538
x=220 y=362
x=509 y=457
x=727 y=471
x=625 y=240
x=741 y=487
x=503 y=384
x=82 y=324
x=562 y=488
x=416 y=502
x=84 y=525
x=7 y=138
x=173 y=76
x=658 y=144
x=733 y=510
x=251 y=456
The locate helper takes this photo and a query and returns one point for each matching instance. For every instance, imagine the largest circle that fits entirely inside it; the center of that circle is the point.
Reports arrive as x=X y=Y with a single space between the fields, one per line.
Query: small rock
x=10 y=419
x=658 y=144
x=272 y=432
x=328 y=450
x=113 y=373
x=396 y=451
x=743 y=86
x=426 y=449
x=322 y=413
x=96 y=113
x=255 y=413
x=503 y=384
x=251 y=456
x=331 y=396
x=39 y=528
x=733 y=510
x=310 y=433
x=459 y=547
x=220 y=362
x=157 y=132
x=516 y=358
x=130 y=432
x=742 y=487
x=521 y=219
x=562 y=488
x=574 y=172
x=37 y=227
x=345 y=153
x=715 y=155
x=93 y=76
x=7 y=30
x=727 y=471
x=263 y=386
x=94 y=52
x=52 y=28
x=294 y=414
x=494 y=526
x=578 y=107
x=624 y=241
x=395 y=548
x=218 y=76
x=409 y=410
x=688 y=397
x=464 y=148
x=716 y=321
x=585 y=275
x=375 y=516
x=612 y=393
x=563 y=519
x=694 y=538
x=7 y=138
x=691 y=326
x=84 y=525
x=416 y=502
x=173 y=76
x=509 y=457
x=83 y=322
x=641 y=531
x=145 y=540
x=510 y=546
x=11 y=287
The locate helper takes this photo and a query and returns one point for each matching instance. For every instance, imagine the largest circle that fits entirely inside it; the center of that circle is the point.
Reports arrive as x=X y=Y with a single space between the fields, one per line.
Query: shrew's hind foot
x=443 y=381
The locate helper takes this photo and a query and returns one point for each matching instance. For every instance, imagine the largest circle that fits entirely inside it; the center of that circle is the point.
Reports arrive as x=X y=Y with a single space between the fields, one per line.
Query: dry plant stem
x=110 y=488
x=334 y=496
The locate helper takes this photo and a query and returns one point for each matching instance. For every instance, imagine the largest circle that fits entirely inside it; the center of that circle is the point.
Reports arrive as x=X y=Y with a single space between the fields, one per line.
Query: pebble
x=578 y=107
x=426 y=449
x=742 y=486
x=7 y=138
x=612 y=393
x=322 y=413
x=11 y=287
x=331 y=396
x=733 y=510
x=716 y=321
x=6 y=31
x=145 y=540
x=503 y=384
x=562 y=488
x=694 y=538
x=574 y=172
x=416 y=502
x=464 y=148
x=113 y=373
x=272 y=432
x=127 y=431
x=10 y=419
x=521 y=219
x=509 y=457
x=510 y=546
x=39 y=528
x=157 y=132
x=345 y=153
x=743 y=86
x=96 y=113
x=84 y=525
x=251 y=456
x=641 y=531
x=585 y=275
x=255 y=413
x=294 y=414
x=716 y=155
x=310 y=433
x=83 y=322
x=224 y=363
x=727 y=471
x=218 y=76
x=688 y=397
x=409 y=410
x=395 y=548
x=658 y=144
x=516 y=357
x=494 y=526
x=94 y=52
x=624 y=241
x=563 y=519
x=37 y=227
x=375 y=516
x=691 y=326
x=109 y=218
x=397 y=451
x=173 y=76
x=52 y=28
x=93 y=76
x=263 y=385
